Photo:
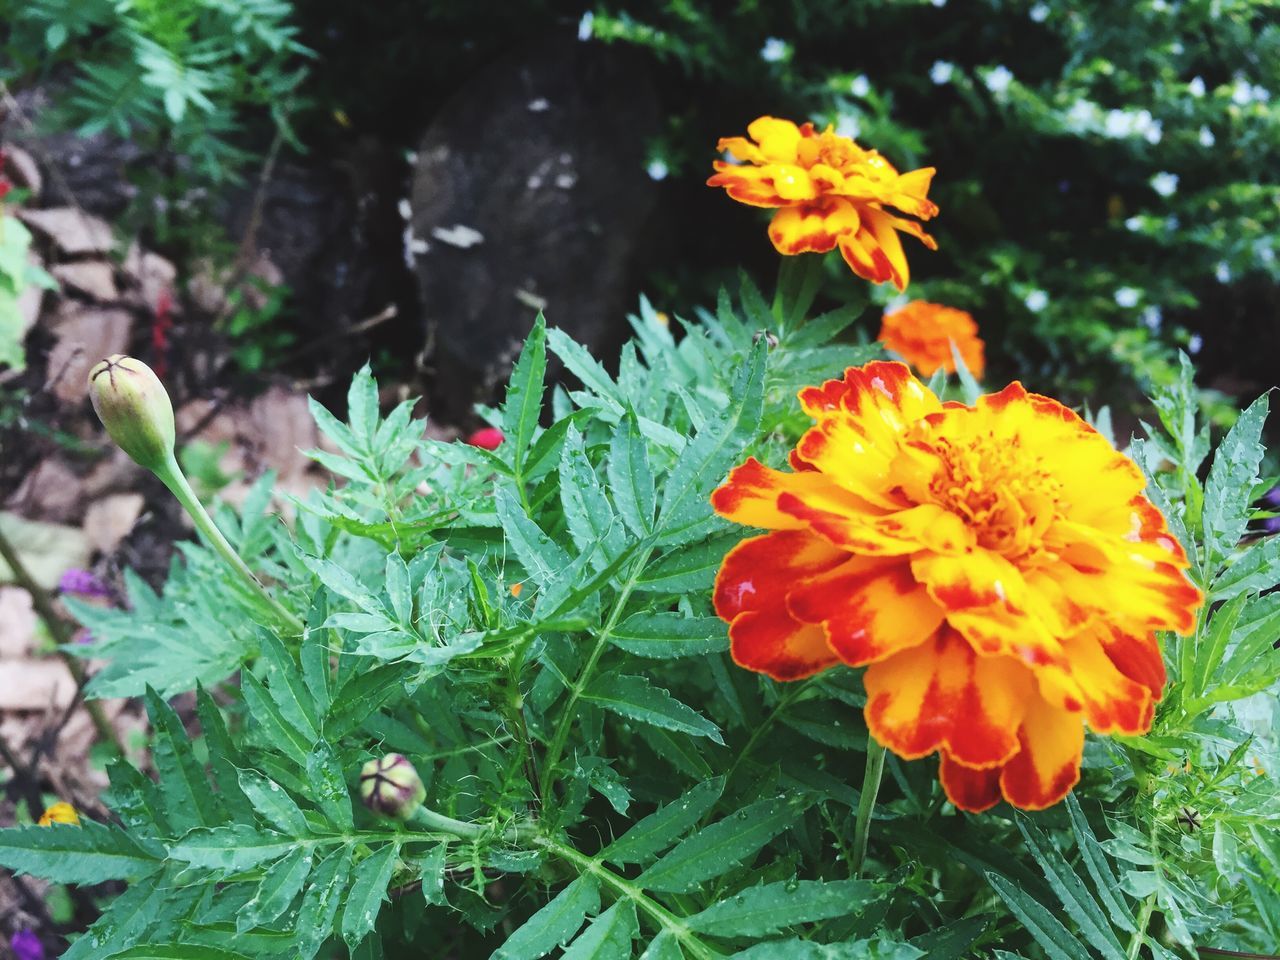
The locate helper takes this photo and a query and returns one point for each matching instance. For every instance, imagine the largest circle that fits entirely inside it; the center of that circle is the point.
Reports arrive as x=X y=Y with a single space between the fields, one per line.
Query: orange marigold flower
x=831 y=192
x=922 y=333
x=996 y=568
x=60 y=812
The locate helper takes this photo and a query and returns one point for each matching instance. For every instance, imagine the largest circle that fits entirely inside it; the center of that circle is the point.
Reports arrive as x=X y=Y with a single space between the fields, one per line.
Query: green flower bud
x=390 y=786
x=132 y=404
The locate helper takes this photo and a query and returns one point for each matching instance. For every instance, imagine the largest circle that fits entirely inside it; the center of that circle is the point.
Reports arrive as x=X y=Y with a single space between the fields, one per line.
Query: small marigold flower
x=487 y=438
x=996 y=568
x=829 y=192
x=922 y=333
x=391 y=786
x=60 y=812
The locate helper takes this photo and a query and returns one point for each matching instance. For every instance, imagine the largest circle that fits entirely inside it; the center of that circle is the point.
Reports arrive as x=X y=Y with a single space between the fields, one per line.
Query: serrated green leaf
x=273 y=729
x=432 y=872
x=222 y=756
x=722 y=846
x=664 y=635
x=630 y=476
x=608 y=937
x=586 y=368
x=707 y=458
x=234 y=847
x=586 y=509
x=273 y=802
x=759 y=911
x=523 y=405
x=398 y=589
x=1255 y=570
x=88 y=853
x=281 y=883
x=664 y=827
x=123 y=922
x=328 y=783
x=369 y=884
x=1047 y=930
x=1228 y=491
x=687 y=569
x=321 y=901
x=188 y=801
x=636 y=699
x=541 y=556
x=554 y=924
x=1096 y=863
x=175 y=951
x=1067 y=886
x=664 y=946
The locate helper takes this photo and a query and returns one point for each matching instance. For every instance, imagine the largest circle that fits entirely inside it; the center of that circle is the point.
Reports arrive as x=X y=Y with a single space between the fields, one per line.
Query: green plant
x=531 y=627
x=17 y=272
x=253 y=324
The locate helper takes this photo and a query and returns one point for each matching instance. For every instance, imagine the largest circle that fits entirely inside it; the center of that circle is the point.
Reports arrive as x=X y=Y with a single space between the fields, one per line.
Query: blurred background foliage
x=1106 y=172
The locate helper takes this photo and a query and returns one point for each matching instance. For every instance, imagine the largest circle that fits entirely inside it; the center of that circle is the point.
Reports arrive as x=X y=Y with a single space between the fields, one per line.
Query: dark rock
x=530 y=192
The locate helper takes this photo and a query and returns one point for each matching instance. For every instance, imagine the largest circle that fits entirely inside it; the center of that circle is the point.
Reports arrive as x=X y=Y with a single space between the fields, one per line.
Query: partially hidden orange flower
x=996 y=568
x=60 y=812
x=922 y=333
x=830 y=192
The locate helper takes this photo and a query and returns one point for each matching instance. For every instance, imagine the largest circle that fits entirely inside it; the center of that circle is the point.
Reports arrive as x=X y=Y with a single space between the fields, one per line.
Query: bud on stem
x=391 y=786
x=133 y=405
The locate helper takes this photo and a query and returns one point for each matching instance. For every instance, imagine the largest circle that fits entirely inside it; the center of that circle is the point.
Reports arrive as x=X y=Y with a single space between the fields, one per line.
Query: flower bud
x=132 y=404
x=390 y=786
x=60 y=813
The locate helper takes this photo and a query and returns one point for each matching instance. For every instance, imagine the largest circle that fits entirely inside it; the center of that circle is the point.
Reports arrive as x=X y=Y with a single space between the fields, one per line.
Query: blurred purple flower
x=26 y=946
x=83 y=583
x=1271 y=525
x=1272 y=497
x=83 y=636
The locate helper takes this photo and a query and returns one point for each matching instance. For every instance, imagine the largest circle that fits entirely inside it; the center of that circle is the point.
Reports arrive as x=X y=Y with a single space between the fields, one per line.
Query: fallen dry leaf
x=50 y=493
x=23 y=169
x=17 y=624
x=94 y=278
x=46 y=549
x=85 y=335
x=31 y=299
x=109 y=520
x=35 y=684
x=71 y=231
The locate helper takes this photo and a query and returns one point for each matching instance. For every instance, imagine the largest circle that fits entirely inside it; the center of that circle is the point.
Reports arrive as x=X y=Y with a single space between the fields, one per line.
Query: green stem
x=1140 y=932
x=439 y=823
x=867 y=803
x=664 y=918
x=171 y=476
x=584 y=676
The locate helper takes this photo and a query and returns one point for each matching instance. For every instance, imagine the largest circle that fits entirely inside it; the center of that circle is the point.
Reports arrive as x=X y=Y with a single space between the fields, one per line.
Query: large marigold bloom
x=996 y=568
x=922 y=333
x=830 y=192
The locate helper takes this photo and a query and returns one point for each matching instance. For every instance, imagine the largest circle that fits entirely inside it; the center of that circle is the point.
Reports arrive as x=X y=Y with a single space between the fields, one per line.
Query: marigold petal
x=750 y=495
x=812 y=227
x=749 y=185
x=778 y=139
x=741 y=148
x=940 y=694
x=1136 y=655
x=1090 y=681
x=772 y=643
x=881 y=226
x=870 y=609
x=987 y=600
x=899 y=533
x=1048 y=764
x=792 y=182
x=758 y=572
x=911 y=192
x=970 y=790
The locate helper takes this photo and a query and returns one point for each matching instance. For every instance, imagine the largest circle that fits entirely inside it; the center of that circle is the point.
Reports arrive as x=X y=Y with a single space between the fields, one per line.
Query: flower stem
x=867 y=802
x=171 y=476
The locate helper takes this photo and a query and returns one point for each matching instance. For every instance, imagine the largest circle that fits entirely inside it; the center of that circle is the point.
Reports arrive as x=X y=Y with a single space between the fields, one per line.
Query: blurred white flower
x=1134 y=223
x=1153 y=132
x=847 y=125
x=1194 y=344
x=1128 y=296
x=1196 y=87
x=861 y=86
x=941 y=72
x=998 y=79
x=1040 y=12
x=774 y=50
x=657 y=170
x=1261 y=94
x=1082 y=114
x=1036 y=300
x=1241 y=92
x=1222 y=272
x=1165 y=184
x=1153 y=317
x=584 y=25
x=1207 y=139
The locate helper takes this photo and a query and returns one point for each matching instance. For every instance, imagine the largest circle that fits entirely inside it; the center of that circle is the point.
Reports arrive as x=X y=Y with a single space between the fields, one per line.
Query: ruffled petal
x=812 y=227
x=758 y=572
x=750 y=185
x=1111 y=701
x=971 y=790
x=778 y=139
x=870 y=609
x=941 y=694
x=750 y=495
x=1047 y=764
x=772 y=643
x=899 y=533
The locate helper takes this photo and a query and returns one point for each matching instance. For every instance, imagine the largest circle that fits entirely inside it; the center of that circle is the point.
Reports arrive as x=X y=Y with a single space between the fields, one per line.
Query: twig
x=61 y=634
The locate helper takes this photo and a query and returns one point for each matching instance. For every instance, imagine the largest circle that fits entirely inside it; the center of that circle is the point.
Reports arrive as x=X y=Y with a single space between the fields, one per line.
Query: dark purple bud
x=26 y=946
x=1272 y=497
x=83 y=583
